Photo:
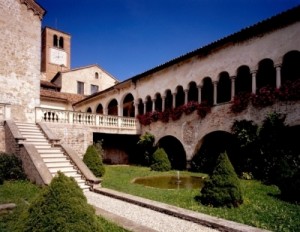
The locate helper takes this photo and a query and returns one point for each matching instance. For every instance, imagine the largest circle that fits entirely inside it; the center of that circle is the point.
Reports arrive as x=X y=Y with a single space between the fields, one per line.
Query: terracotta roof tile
x=59 y=96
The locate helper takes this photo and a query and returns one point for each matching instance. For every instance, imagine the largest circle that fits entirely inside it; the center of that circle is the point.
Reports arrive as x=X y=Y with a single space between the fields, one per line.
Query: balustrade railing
x=4 y=111
x=89 y=119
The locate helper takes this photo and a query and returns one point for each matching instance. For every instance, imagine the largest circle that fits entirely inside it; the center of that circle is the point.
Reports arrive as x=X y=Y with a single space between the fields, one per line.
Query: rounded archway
x=128 y=106
x=112 y=108
x=210 y=147
x=174 y=150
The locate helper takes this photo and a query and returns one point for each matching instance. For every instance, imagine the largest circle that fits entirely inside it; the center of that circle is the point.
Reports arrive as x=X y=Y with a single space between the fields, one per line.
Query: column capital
x=278 y=65
x=199 y=86
x=253 y=71
x=233 y=77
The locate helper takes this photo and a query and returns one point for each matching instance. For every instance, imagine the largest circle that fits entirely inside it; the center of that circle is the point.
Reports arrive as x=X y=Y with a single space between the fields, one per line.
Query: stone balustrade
x=83 y=118
x=4 y=111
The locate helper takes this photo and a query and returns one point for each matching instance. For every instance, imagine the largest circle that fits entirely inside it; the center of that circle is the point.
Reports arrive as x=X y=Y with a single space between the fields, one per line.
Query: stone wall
x=78 y=137
x=20 y=40
x=190 y=130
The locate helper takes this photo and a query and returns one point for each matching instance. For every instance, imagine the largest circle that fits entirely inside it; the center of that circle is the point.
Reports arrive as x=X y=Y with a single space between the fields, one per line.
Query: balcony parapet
x=82 y=118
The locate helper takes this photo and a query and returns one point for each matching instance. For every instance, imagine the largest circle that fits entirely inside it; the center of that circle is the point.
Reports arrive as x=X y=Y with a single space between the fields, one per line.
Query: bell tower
x=56 y=52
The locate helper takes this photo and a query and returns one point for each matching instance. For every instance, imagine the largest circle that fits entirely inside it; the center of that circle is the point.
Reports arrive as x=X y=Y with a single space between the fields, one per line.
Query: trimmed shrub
x=61 y=207
x=160 y=161
x=93 y=159
x=223 y=187
x=10 y=168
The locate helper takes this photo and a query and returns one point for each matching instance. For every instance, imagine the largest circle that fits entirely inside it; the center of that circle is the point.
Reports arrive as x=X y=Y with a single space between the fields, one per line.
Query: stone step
x=24 y=124
x=51 y=150
x=40 y=147
x=84 y=186
x=53 y=156
x=65 y=164
x=62 y=158
x=33 y=136
x=29 y=129
x=65 y=170
x=37 y=141
x=75 y=175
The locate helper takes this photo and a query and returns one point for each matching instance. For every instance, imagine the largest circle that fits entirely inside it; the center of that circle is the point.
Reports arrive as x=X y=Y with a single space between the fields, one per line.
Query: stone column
x=253 y=73
x=120 y=110
x=136 y=109
x=163 y=103
x=199 y=93
x=278 y=75
x=186 y=95
x=232 y=87
x=105 y=111
x=215 y=83
x=153 y=105
x=174 y=100
x=145 y=105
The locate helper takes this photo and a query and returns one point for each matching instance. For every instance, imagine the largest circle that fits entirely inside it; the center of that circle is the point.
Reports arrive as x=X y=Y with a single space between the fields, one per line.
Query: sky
x=129 y=37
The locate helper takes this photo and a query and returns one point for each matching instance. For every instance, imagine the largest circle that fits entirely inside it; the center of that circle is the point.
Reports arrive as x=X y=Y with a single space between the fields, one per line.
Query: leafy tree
x=160 y=161
x=93 y=159
x=271 y=152
x=246 y=134
x=223 y=187
x=61 y=207
x=146 y=143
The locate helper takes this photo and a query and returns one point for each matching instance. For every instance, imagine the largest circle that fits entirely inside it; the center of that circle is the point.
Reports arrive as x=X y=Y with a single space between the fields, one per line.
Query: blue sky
x=128 y=37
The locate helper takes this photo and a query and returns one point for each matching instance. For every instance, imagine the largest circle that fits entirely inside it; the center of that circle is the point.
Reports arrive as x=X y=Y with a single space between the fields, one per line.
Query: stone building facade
x=20 y=23
x=20 y=39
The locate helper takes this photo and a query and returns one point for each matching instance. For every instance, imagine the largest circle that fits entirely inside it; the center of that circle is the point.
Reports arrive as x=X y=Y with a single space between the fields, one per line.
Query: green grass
x=22 y=194
x=261 y=207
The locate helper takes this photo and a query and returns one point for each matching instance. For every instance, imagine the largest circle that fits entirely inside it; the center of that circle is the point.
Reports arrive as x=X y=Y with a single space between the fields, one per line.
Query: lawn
x=261 y=208
x=22 y=193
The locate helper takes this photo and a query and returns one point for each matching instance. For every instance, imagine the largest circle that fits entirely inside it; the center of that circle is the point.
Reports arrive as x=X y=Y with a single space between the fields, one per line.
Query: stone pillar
x=215 y=83
x=136 y=109
x=278 y=76
x=174 y=100
x=186 y=95
x=253 y=73
x=199 y=93
x=105 y=111
x=145 y=105
x=153 y=105
x=232 y=87
x=163 y=103
x=120 y=110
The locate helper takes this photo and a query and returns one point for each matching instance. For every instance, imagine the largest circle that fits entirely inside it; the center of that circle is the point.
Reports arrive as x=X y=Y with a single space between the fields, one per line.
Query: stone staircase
x=53 y=157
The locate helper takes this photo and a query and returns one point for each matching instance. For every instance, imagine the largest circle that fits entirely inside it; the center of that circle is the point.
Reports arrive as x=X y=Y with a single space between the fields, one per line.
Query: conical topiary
x=223 y=187
x=93 y=159
x=61 y=207
x=160 y=161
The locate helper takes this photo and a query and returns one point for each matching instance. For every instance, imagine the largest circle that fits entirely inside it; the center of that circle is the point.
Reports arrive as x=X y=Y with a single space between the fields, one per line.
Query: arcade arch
x=128 y=105
x=112 y=108
x=174 y=150
x=210 y=147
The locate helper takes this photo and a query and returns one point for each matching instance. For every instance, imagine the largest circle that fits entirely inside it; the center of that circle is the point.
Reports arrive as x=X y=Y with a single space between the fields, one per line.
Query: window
x=58 y=42
x=55 y=41
x=80 y=87
x=96 y=75
x=94 y=89
x=61 y=42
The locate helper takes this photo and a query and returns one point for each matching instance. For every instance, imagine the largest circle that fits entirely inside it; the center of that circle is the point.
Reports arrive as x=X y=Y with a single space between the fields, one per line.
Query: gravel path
x=143 y=216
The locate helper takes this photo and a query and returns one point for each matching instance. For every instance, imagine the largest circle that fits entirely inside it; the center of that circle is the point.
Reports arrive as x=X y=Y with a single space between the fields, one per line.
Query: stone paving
x=142 y=215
